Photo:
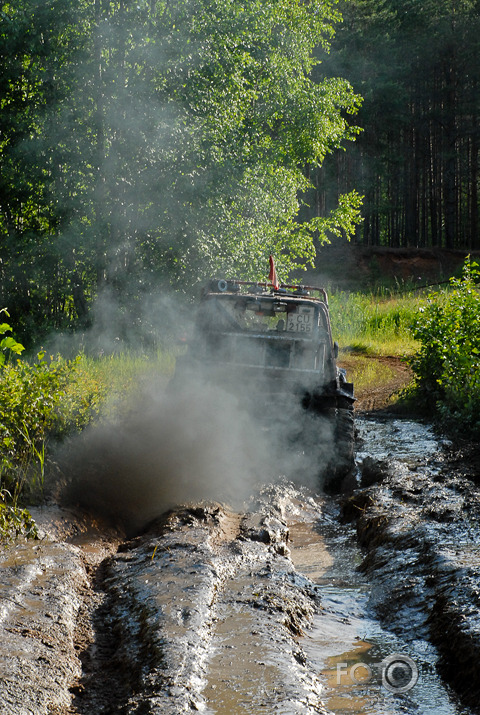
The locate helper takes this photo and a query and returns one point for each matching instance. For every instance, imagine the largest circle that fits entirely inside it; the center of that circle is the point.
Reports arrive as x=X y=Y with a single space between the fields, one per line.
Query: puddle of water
x=350 y=654
x=308 y=551
x=404 y=440
x=20 y=555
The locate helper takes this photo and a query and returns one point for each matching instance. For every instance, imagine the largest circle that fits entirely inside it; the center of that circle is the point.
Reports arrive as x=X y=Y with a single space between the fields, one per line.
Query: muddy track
x=421 y=536
x=164 y=622
x=178 y=592
x=257 y=611
x=418 y=522
x=46 y=601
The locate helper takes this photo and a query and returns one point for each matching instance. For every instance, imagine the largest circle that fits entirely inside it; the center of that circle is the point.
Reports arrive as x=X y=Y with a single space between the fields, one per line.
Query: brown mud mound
x=415 y=265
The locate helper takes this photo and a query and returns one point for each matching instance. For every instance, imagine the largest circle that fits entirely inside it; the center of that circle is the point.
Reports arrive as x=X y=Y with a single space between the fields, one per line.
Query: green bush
x=447 y=365
x=40 y=402
x=13 y=520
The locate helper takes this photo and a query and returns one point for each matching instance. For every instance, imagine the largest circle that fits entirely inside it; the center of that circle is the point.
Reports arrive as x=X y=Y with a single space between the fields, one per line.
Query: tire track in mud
x=419 y=526
x=92 y=625
x=37 y=627
x=256 y=663
x=44 y=590
x=115 y=647
x=99 y=687
x=205 y=588
x=163 y=586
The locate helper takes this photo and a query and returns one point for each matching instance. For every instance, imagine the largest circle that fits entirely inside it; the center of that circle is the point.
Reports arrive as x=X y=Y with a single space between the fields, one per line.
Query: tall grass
x=118 y=372
x=374 y=323
x=118 y=375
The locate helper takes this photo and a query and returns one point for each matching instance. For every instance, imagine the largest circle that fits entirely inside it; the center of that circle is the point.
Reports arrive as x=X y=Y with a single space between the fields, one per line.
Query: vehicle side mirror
x=335 y=349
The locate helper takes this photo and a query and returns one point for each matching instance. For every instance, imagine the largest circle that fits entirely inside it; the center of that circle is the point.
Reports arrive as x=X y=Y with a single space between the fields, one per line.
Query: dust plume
x=168 y=448
x=172 y=446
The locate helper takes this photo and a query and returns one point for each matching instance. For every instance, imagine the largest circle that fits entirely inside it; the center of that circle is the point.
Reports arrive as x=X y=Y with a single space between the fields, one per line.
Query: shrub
x=13 y=520
x=447 y=365
x=40 y=402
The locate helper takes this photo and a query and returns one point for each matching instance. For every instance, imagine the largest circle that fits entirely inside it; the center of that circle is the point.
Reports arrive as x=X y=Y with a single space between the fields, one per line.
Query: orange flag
x=272 y=276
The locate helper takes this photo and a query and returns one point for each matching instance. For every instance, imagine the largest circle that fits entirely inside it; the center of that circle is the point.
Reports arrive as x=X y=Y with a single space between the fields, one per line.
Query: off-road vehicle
x=273 y=348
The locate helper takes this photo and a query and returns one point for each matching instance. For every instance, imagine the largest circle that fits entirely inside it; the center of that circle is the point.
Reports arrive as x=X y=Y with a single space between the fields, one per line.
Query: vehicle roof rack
x=233 y=285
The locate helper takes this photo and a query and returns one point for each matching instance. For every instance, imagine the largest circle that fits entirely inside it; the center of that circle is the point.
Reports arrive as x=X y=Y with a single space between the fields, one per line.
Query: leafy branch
x=8 y=342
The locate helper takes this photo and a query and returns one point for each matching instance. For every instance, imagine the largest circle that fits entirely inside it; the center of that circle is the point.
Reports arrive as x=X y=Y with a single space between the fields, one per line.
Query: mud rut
x=221 y=612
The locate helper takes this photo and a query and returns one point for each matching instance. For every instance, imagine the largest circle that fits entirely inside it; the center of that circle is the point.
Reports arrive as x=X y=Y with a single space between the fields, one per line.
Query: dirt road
x=296 y=603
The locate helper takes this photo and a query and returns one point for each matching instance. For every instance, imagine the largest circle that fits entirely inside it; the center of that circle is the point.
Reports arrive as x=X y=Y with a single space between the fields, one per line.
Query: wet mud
x=206 y=608
x=293 y=604
x=45 y=604
x=418 y=522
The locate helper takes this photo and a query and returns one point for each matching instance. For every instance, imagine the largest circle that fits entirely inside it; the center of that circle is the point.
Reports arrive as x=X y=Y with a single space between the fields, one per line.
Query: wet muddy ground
x=297 y=603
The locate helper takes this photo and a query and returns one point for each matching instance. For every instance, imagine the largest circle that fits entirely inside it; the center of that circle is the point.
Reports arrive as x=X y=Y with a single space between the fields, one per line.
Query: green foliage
x=13 y=520
x=447 y=365
x=8 y=342
x=43 y=402
x=144 y=143
x=40 y=403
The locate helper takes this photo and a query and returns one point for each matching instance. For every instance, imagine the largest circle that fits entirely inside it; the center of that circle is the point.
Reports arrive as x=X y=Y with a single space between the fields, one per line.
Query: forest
x=147 y=145
x=416 y=162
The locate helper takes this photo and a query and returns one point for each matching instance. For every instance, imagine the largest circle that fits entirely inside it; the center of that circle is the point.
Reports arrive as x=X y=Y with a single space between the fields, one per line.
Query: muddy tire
x=341 y=470
x=345 y=438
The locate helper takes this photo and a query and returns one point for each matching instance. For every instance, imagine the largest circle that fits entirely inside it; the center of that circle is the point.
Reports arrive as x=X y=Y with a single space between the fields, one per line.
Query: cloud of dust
x=184 y=444
x=167 y=448
x=193 y=441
